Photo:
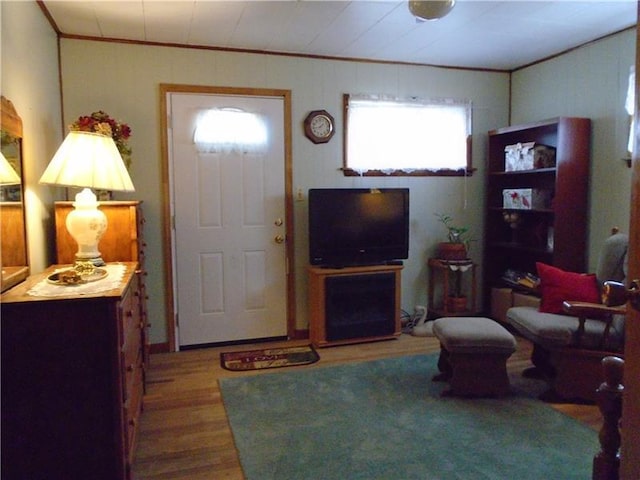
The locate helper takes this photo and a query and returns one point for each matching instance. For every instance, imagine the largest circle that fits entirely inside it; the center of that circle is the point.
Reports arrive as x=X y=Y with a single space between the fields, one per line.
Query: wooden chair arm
x=596 y=311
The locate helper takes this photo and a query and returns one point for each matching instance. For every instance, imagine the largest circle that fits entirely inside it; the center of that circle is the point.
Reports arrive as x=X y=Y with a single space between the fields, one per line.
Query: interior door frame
x=630 y=447
x=167 y=217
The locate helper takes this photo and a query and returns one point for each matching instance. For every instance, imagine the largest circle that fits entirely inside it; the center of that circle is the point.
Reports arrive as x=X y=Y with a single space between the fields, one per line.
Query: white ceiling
x=504 y=34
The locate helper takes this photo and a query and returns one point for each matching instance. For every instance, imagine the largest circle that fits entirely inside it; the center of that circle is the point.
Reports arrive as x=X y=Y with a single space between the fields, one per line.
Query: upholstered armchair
x=572 y=330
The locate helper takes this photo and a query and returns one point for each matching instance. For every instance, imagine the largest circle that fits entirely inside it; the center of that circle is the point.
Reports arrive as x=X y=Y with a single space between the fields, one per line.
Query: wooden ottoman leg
x=444 y=366
x=479 y=374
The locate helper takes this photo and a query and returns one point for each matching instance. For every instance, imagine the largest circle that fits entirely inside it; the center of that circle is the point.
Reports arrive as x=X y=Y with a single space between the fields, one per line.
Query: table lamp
x=88 y=160
x=8 y=175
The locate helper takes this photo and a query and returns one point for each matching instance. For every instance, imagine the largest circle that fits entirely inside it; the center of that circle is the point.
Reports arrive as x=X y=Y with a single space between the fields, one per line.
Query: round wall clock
x=319 y=126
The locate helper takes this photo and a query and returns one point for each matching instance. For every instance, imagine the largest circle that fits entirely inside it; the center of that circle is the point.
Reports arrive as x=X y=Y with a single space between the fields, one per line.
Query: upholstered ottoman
x=473 y=355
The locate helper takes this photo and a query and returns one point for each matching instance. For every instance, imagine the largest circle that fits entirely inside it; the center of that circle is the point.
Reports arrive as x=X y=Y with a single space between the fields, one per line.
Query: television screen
x=358 y=226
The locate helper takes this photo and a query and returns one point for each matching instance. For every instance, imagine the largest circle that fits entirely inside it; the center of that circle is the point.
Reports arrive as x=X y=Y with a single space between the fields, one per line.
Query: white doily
x=46 y=289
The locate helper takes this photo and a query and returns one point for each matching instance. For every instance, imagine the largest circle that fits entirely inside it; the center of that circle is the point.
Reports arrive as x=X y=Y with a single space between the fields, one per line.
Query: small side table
x=445 y=268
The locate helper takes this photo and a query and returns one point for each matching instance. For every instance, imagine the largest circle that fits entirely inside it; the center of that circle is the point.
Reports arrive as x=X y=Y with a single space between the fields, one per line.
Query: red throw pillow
x=558 y=285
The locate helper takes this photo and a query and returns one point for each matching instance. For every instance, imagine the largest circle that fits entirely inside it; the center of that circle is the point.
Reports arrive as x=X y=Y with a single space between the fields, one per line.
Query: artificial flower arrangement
x=100 y=122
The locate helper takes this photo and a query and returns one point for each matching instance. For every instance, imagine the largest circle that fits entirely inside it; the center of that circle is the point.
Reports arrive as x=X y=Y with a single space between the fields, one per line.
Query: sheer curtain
x=225 y=130
x=390 y=134
x=630 y=104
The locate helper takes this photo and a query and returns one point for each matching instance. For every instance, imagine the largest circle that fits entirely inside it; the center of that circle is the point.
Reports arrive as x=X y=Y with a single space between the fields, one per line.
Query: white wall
x=123 y=80
x=30 y=80
x=588 y=82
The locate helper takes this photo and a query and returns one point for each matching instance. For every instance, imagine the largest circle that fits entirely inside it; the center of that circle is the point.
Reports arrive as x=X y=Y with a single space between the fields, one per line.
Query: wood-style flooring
x=184 y=433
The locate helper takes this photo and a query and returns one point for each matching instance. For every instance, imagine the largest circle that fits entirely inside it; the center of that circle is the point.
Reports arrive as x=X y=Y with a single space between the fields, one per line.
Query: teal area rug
x=385 y=419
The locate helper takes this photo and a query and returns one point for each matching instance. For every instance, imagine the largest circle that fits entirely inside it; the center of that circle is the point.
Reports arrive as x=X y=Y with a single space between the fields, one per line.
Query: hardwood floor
x=184 y=433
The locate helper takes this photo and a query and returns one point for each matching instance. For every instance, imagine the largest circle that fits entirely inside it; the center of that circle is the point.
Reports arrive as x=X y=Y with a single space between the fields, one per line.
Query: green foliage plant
x=455 y=234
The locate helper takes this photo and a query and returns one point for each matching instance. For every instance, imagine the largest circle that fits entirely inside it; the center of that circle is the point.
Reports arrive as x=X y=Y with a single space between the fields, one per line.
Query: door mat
x=269 y=358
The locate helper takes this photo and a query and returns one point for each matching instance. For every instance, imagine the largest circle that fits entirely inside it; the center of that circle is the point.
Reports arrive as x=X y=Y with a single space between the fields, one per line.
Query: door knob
x=615 y=293
x=278 y=222
x=279 y=239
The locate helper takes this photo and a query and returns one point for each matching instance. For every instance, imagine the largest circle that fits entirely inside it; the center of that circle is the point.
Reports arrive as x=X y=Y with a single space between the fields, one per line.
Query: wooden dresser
x=72 y=380
x=122 y=242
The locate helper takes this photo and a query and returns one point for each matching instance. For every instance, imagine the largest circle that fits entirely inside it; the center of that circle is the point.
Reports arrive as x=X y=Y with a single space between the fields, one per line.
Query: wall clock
x=319 y=126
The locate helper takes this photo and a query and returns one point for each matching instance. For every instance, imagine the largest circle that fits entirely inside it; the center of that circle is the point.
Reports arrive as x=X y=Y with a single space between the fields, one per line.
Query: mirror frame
x=11 y=123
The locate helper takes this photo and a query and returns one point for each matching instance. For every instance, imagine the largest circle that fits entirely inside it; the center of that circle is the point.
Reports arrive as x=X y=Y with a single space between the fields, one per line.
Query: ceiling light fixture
x=430 y=9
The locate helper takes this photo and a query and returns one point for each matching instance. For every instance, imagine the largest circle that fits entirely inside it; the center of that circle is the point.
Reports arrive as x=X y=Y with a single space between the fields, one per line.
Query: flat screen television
x=358 y=226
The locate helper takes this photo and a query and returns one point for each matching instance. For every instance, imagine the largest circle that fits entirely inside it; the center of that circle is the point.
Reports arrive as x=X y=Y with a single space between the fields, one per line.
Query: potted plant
x=457 y=246
x=455 y=253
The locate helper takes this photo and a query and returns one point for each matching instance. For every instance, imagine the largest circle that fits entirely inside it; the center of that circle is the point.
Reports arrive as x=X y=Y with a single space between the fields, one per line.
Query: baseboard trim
x=159 y=348
x=164 y=346
x=300 y=334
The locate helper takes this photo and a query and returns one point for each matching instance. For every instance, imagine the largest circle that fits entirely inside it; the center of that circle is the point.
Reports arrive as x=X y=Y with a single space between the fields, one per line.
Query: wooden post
x=606 y=463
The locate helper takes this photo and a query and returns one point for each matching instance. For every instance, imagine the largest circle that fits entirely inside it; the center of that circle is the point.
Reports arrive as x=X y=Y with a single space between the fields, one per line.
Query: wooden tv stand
x=368 y=292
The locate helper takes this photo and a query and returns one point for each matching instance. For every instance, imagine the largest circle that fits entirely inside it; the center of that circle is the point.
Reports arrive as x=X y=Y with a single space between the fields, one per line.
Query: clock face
x=321 y=126
x=318 y=126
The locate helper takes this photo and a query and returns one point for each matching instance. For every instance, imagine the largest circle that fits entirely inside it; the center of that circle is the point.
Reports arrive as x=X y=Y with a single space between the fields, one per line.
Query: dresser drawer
x=144 y=321
x=130 y=310
x=132 y=338
x=132 y=362
x=133 y=408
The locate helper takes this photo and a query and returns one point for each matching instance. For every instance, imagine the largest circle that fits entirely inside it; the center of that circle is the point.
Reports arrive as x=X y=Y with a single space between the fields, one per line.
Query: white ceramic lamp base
x=86 y=224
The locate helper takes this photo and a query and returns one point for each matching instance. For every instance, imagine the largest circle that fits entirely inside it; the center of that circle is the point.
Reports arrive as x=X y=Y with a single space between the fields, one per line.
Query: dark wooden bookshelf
x=556 y=234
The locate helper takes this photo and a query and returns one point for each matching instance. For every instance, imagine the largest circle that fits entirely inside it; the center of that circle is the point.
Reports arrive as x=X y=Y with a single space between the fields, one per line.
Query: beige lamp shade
x=8 y=175
x=87 y=159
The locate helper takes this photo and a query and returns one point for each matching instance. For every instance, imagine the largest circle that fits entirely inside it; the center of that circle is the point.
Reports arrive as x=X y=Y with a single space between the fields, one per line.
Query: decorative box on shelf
x=528 y=156
x=526 y=198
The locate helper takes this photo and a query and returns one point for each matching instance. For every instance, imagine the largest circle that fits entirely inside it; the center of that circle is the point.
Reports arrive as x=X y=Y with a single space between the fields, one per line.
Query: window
x=224 y=130
x=388 y=136
x=629 y=105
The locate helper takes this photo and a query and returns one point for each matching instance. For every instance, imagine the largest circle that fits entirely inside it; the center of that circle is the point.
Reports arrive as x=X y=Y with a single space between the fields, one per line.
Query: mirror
x=13 y=233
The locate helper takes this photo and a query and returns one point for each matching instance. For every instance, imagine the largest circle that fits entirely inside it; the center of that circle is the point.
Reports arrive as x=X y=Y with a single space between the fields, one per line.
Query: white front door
x=229 y=211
